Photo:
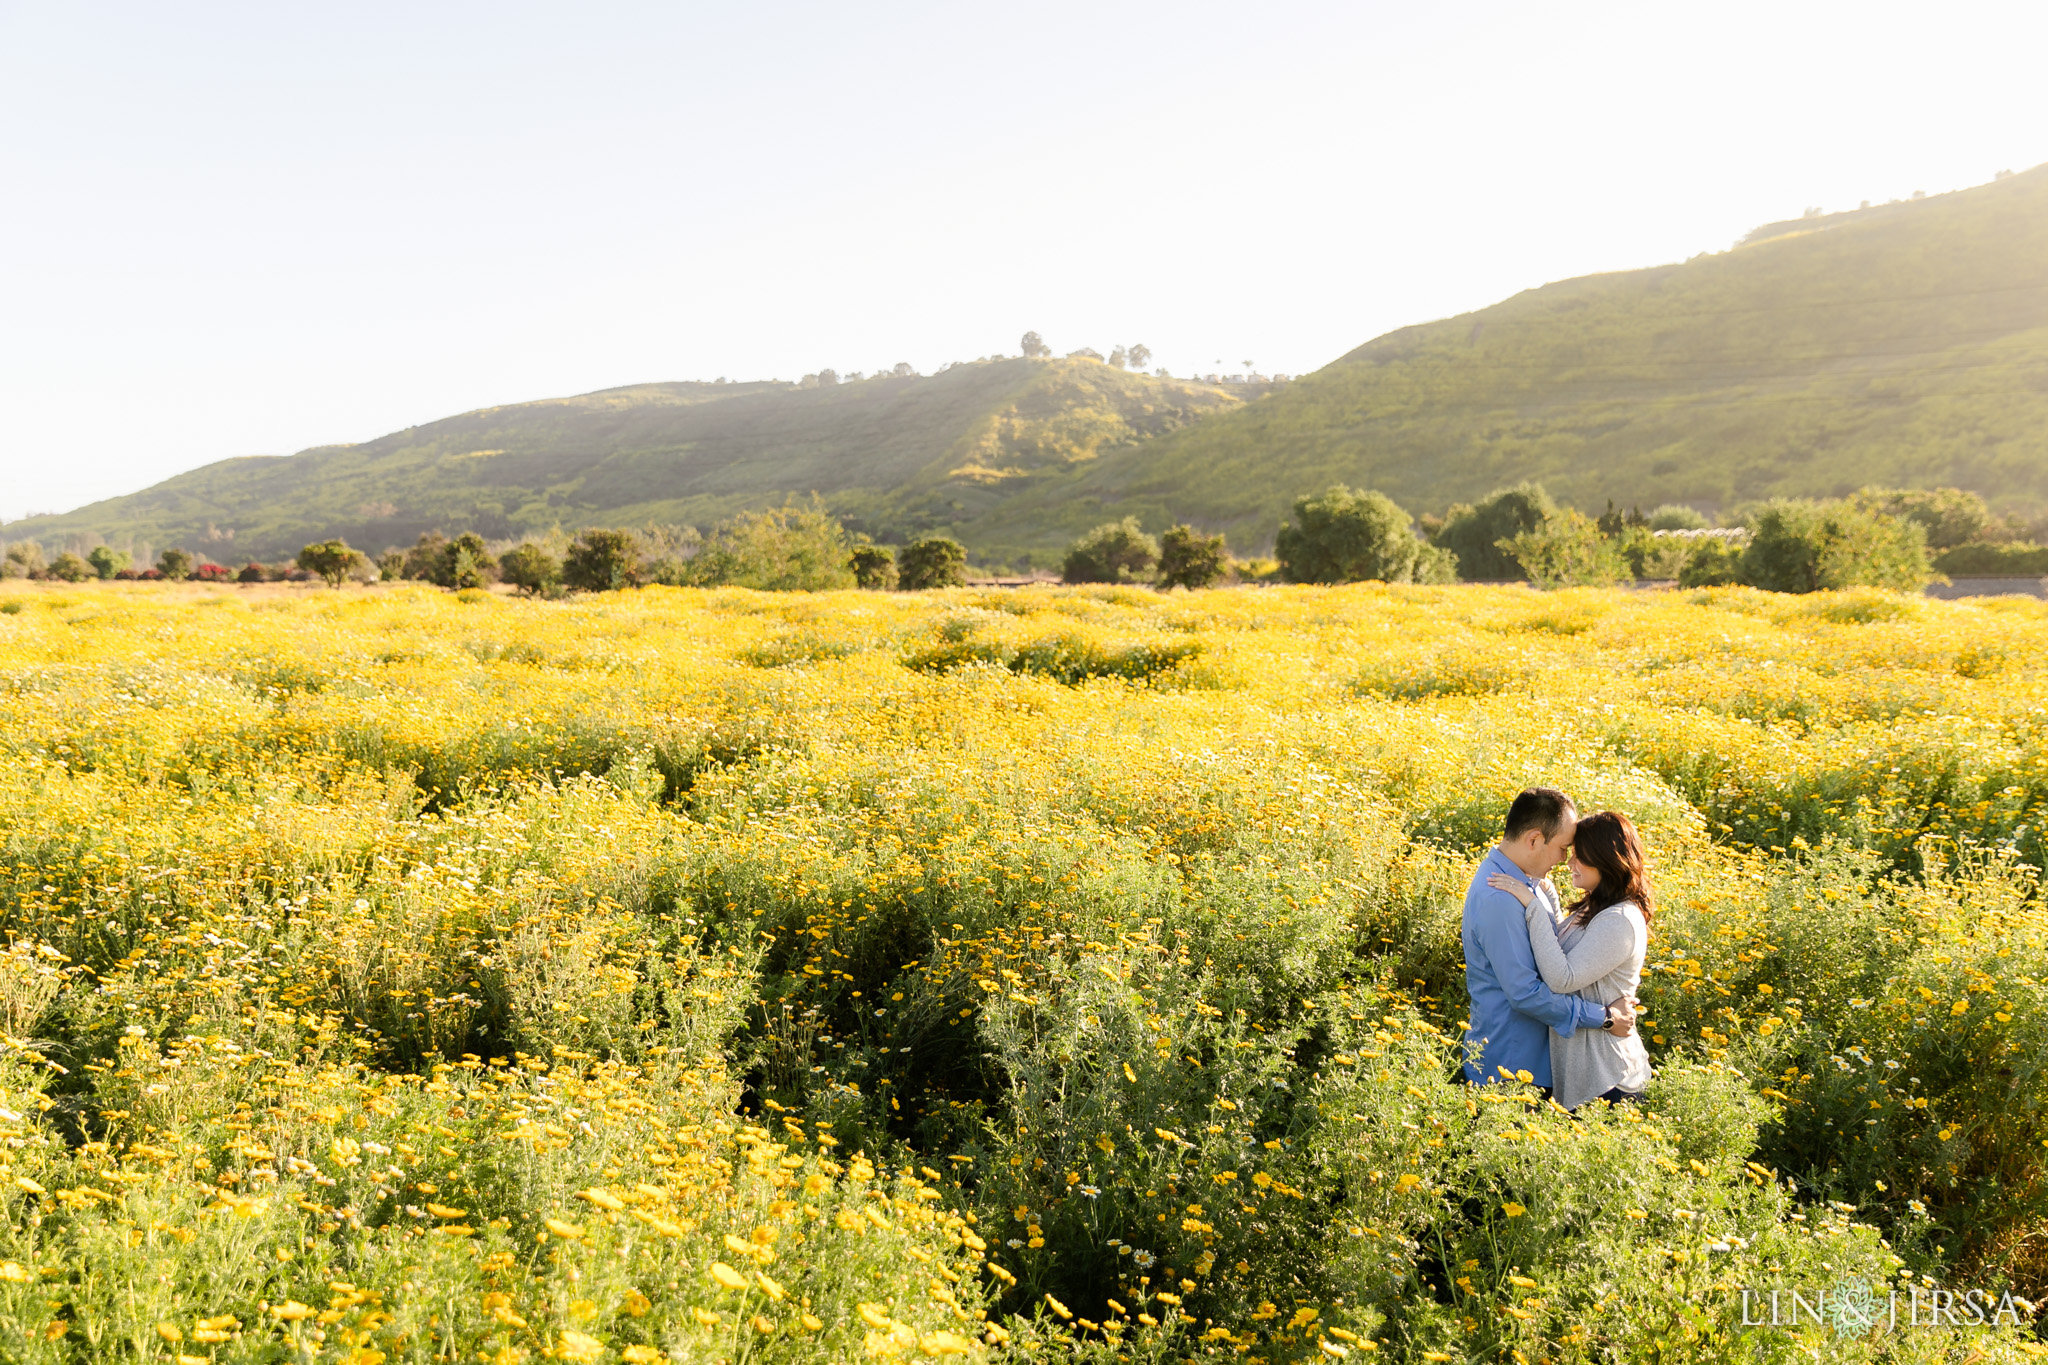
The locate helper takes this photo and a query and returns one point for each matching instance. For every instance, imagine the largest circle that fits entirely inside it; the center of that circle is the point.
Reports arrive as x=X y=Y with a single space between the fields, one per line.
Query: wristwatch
x=1607 y=1024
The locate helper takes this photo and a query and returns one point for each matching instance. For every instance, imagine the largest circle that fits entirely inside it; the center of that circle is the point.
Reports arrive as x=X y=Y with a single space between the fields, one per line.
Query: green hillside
x=892 y=455
x=1903 y=344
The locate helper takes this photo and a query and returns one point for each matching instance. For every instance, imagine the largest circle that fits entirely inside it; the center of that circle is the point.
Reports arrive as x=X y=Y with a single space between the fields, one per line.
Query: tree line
x=1877 y=537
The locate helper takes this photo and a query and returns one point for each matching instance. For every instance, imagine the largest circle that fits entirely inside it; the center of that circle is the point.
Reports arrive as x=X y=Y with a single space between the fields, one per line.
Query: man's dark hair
x=1538 y=808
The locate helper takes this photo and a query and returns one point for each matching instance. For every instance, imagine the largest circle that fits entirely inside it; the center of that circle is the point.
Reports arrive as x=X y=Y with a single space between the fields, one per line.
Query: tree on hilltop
x=1035 y=347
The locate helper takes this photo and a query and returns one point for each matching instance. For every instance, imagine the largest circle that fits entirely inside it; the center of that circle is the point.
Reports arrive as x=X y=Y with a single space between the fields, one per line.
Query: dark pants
x=1619 y=1096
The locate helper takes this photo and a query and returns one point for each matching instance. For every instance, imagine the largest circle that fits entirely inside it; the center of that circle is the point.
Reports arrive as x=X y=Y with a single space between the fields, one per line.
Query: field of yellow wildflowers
x=393 y=975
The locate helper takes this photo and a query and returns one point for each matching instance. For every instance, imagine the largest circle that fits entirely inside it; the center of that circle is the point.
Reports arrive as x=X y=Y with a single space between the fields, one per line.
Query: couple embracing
x=1553 y=986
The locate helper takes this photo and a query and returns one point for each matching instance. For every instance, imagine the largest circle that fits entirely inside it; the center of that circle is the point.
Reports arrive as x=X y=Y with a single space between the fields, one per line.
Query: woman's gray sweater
x=1600 y=961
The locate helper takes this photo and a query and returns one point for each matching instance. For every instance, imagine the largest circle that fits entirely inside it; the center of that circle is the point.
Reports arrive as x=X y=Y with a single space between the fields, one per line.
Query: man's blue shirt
x=1513 y=1012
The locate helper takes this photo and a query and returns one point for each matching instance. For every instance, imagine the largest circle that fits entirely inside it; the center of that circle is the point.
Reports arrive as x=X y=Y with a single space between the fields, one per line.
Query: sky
x=249 y=229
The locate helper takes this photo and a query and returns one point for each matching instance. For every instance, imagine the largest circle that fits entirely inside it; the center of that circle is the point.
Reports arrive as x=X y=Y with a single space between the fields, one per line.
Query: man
x=1513 y=1012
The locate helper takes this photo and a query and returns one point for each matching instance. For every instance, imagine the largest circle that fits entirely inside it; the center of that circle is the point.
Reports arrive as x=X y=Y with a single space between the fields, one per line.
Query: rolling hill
x=1902 y=344
x=1905 y=343
x=893 y=456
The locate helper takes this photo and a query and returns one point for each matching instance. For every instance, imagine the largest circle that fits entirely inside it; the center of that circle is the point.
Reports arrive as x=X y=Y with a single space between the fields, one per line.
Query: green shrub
x=107 y=561
x=1474 y=533
x=1566 y=550
x=1114 y=552
x=463 y=562
x=530 y=568
x=874 y=567
x=602 y=561
x=1712 y=562
x=1674 y=516
x=782 y=549
x=1987 y=559
x=1346 y=536
x=70 y=568
x=332 y=560
x=174 y=564
x=1810 y=547
x=931 y=562
x=1190 y=559
x=24 y=558
x=1949 y=517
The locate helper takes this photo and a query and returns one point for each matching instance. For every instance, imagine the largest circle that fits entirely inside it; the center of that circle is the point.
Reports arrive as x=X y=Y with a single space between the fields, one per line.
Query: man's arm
x=1504 y=934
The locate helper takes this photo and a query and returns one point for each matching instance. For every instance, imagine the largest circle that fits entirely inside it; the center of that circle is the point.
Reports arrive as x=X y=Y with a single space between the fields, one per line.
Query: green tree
x=1800 y=546
x=463 y=563
x=1474 y=533
x=931 y=562
x=174 y=564
x=1190 y=559
x=332 y=560
x=1949 y=516
x=1034 y=347
x=783 y=549
x=106 y=560
x=1676 y=516
x=1345 y=535
x=391 y=565
x=24 y=559
x=1114 y=552
x=530 y=568
x=1715 y=562
x=70 y=568
x=423 y=560
x=874 y=567
x=603 y=561
x=1567 y=550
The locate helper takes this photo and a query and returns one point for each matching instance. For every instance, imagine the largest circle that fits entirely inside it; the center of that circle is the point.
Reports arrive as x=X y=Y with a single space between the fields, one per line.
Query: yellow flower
x=640 y=1355
x=769 y=1287
x=635 y=1303
x=944 y=1344
x=1513 y=1210
x=29 y=1186
x=291 y=1310
x=727 y=1276
x=812 y=1322
x=567 y=1231
x=705 y=1317
x=443 y=1211
x=875 y=1316
x=170 y=1331
x=604 y=1199
x=576 y=1346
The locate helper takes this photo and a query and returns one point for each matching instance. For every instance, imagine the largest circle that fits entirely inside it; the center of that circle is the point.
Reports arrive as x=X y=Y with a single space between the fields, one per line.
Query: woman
x=1597 y=952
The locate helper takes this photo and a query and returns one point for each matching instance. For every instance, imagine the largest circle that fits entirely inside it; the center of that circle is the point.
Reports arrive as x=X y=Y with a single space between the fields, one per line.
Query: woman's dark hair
x=1607 y=843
